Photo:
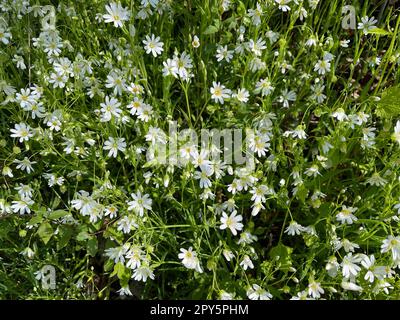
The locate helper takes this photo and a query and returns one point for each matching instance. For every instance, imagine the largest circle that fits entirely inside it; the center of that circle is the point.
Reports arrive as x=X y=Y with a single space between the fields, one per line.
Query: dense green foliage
x=88 y=94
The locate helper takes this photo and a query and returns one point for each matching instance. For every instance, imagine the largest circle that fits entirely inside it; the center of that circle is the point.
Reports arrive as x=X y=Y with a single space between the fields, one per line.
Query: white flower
x=203 y=175
x=58 y=80
x=28 y=252
x=396 y=206
x=367 y=24
x=344 y=43
x=349 y=265
x=140 y=203
x=54 y=124
x=25 y=99
x=153 y=45
x=346 y=215
x=283 y=5
x=340 y=115
x=391 y=243
x=19 y=61
x=116 y=82
x=232 y=222
x=372 y=271
x=302 y=295
x=272 y=36
x=255 y=14
x=349 y=246
x=111 y=211
x=242 y=95
x=255 y=292
x=145 y=112
x=116 y=14
x=219 y=92
x=25 y=164
x=21 y=131
x=315 y=290
x=196 y=42
x=318 y=94
x=135 y=257
x=5 y=207
x=332 y=267
x=258 y=193
x=296 y=133
x=257 y=46
x=246 y=263
x=287 y=96
x=135 y=89
x=376 y=180
x=117 y=253
x=259 y=143
x=351 y=286
x=124 y=291
x=143 y=272
x=113 y=145
x=228 y=254
x=382 y=285
x=247 y=237
x=22 y=205
x=110 y=108
x=5 y=36
x=7 y=172
x=53 y=47
x=38 y=274
x=322 y=66
x=224 y=53
x=189 y=259
x=96 y=212
x=169 y=68
x=223 y=295
x=256 y=208
x=136 y=106
x=294 y=228
x=24 y=191
x=182 y=65
x=84 y=203
x=396 y=134
x=264 y=86
x=312 y=41
x=126 y=224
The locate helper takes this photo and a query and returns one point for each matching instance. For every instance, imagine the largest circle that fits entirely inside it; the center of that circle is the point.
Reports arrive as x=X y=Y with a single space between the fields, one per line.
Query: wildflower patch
x=194 y=149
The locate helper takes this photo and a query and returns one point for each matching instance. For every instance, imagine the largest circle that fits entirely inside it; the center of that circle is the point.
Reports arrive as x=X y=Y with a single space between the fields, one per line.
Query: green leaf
x=324 y=210
x=57 y=214
x=389 y=104
x=83 y=235
x=259 y=231
x=210 y=30
x=65 y=234
x=280 y=254
x=241 y=8
x=108 y=265
x=117 y=267
x=379 y=31
x=36 y=219
x=121 y=271
x=45 y=232
x=92 y=246
x=301 y=193
x=56 y=203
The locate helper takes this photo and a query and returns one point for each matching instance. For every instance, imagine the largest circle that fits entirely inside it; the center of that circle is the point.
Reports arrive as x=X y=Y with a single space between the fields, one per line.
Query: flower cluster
x=104 y=174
